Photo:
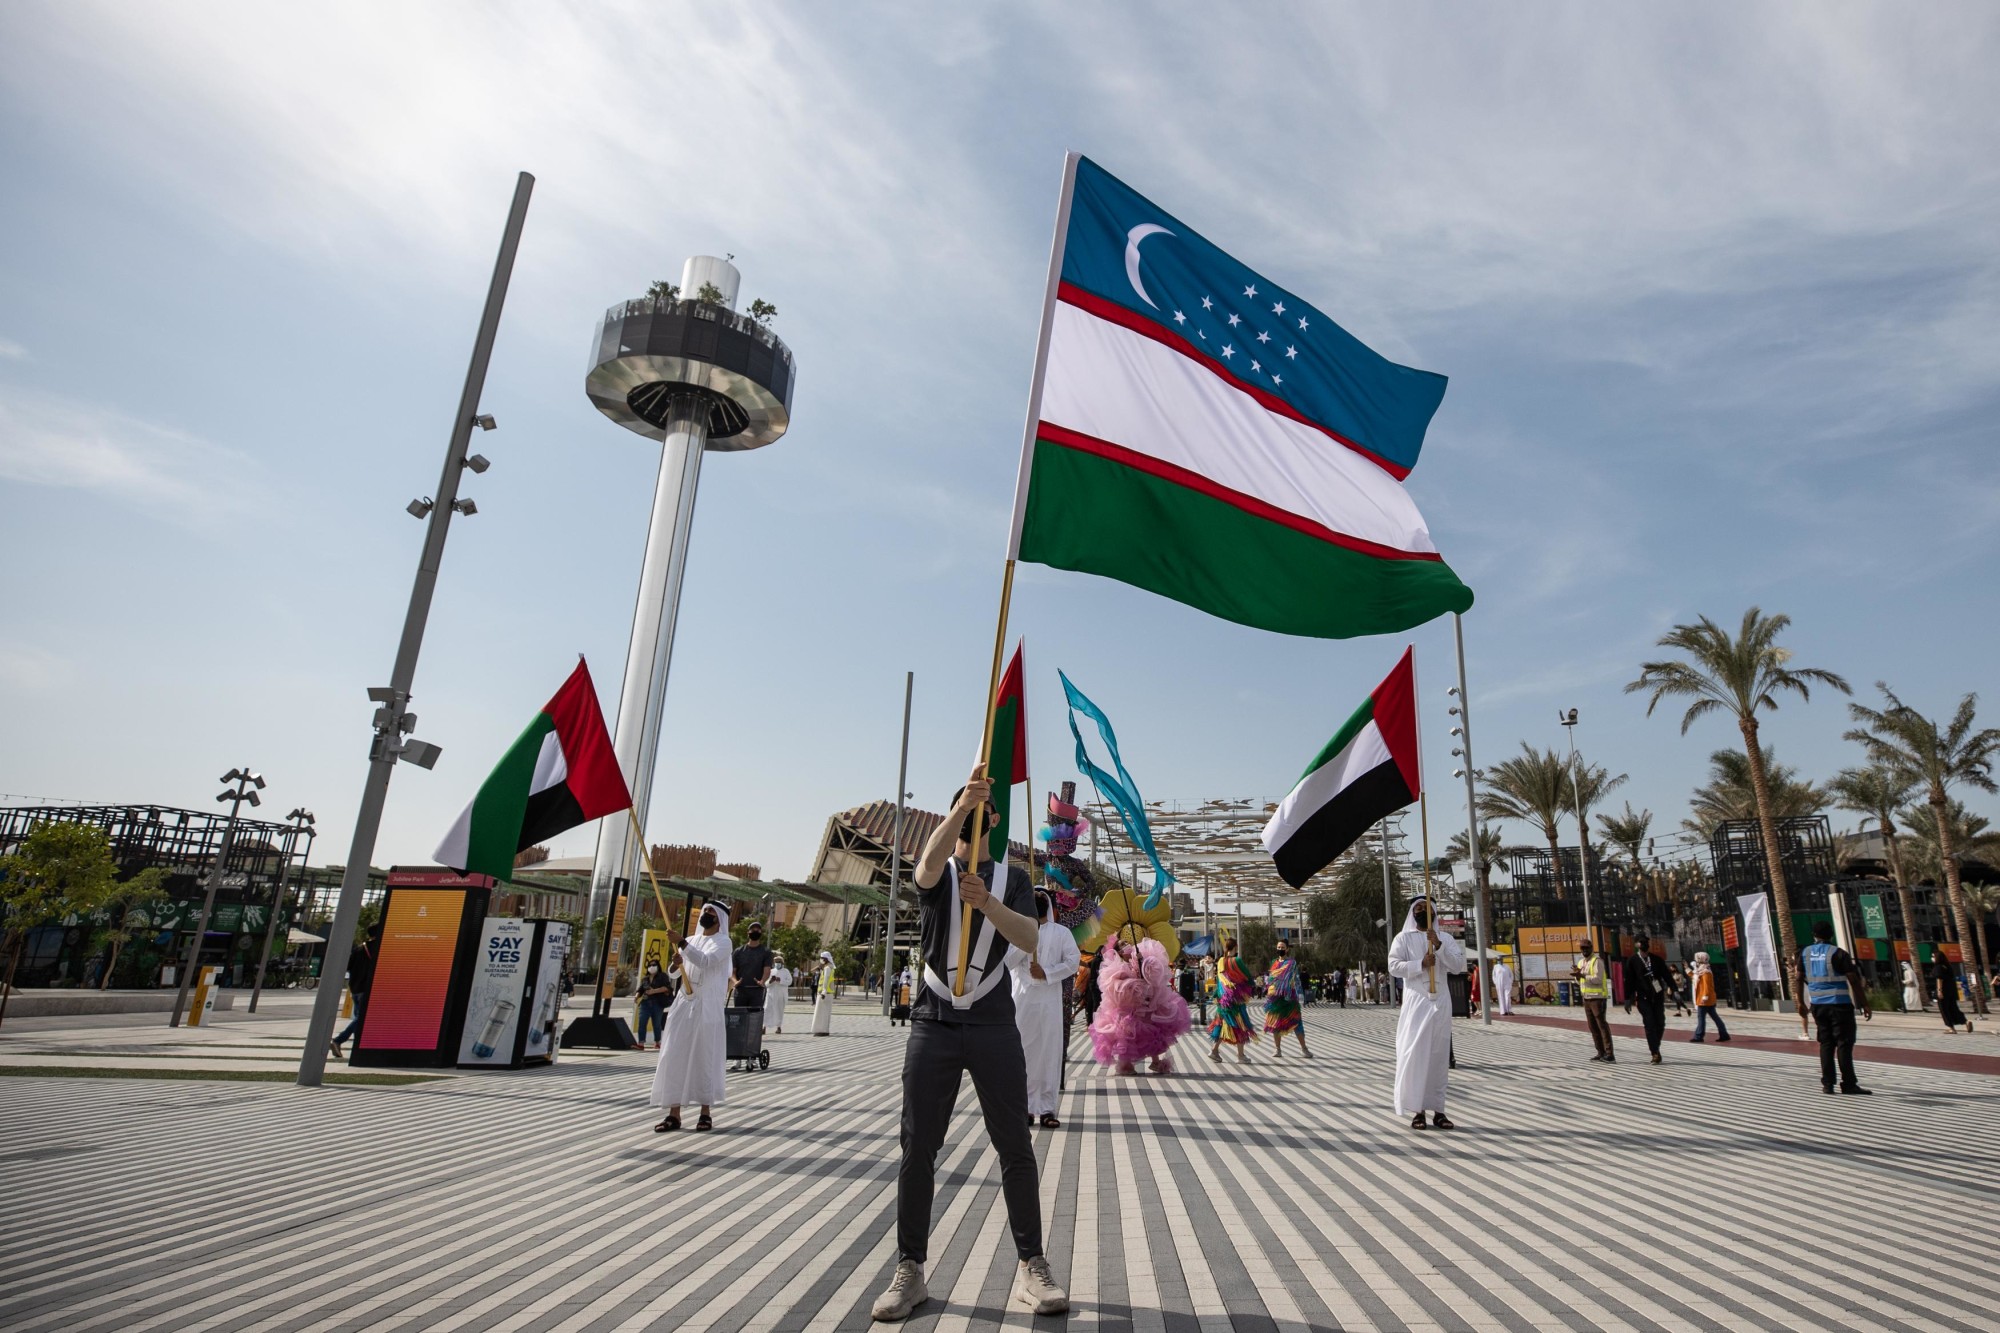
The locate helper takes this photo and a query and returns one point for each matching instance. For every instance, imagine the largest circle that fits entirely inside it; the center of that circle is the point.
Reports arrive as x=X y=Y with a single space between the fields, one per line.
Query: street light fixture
x=302 y=822
x=244 y=791
x=1568 y=720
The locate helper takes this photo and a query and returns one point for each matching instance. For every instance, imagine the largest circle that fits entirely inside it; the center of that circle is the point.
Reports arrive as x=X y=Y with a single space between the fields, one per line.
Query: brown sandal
x=672 y=1122
x=1049 y=1121
x=704 y=1124
x=1438 y=1121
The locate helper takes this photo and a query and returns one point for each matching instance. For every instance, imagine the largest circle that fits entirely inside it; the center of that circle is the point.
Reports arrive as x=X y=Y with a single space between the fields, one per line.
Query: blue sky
x=1715 y=286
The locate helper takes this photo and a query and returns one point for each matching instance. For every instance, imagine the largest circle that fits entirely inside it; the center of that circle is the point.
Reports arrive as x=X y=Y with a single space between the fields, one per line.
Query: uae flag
x=1199 y=431
x=559 y=774
x=1368 y=770
x=1007 y=751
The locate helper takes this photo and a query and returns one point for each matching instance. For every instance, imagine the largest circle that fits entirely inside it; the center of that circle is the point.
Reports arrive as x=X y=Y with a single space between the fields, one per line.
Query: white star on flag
x=1291 y=353
x=1228 y=352
x=1277 y=379
x=1255 y=366
x=1278 y=309
x=1179 y=318
x=1207 y=304
x=1302 y=321
x=1234 y=320
x=1251 y=291
x=1263 y=337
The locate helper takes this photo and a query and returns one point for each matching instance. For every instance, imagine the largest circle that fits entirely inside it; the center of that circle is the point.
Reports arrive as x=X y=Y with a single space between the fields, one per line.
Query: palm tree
x=1739 y=675
x=1971 y=835
x=1874 y=793
x=1589 y=785
x=1730 y=793
x=1934 y=758
x=1532 y=787
x=1627 y=832
x=1492 y=850
x=1983 y=898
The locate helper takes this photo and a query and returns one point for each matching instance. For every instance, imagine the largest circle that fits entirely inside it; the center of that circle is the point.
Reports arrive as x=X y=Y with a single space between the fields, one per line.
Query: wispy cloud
x=48 y=441
x=12 y=351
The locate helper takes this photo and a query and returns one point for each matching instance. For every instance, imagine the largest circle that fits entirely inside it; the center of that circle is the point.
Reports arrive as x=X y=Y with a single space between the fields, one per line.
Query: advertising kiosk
x=431 y=924
x=516 y=994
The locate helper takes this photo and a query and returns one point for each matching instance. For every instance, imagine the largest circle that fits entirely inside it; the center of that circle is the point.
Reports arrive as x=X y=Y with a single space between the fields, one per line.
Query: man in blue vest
x=1831 y=990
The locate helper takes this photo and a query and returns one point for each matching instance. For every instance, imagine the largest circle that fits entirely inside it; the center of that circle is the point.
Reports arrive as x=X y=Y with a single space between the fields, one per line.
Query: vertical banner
x=499 y=976
x=412 y=989
x=1759 y=956
x=1874 y=921
x=546 y=1004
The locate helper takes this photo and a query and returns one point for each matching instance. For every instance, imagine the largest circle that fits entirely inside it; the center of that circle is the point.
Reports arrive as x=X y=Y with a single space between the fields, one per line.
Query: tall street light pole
x=1568 y=720
x=302 y=824
x=1462 y=709
x=247 y=786
x=393 y=721
x=889 y=972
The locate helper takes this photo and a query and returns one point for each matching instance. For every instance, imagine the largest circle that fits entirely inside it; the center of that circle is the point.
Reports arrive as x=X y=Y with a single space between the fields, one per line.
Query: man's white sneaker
x=906 y=1292
x=1035 y=1287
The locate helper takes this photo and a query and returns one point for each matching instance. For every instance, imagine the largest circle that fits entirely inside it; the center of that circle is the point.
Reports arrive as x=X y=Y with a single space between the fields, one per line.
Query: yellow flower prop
x=1125 y=913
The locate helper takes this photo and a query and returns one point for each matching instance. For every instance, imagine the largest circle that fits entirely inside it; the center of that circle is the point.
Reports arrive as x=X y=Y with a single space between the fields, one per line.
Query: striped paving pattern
x=1721 y=1190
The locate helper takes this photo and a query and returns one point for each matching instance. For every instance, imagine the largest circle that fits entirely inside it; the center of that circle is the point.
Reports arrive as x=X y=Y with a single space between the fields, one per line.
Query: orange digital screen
x=413 y=970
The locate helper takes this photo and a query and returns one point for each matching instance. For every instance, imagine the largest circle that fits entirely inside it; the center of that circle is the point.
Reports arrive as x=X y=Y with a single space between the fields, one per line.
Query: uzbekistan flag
x=1007 y=753
x=559 y=774
x=1200 y=432
x=1369 y=769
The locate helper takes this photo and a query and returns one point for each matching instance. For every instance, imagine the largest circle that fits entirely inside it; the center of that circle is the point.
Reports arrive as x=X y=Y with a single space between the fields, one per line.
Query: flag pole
x=985 y=756
x=1049 y=288
x=646 y=859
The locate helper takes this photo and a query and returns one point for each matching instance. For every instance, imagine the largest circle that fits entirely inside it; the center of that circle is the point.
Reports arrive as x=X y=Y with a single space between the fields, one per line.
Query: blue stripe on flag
x=1124 y=249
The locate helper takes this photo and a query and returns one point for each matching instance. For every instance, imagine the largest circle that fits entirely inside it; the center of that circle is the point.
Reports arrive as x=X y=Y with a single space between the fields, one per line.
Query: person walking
x=361 y=979
x=963 y=1023
x=775 y=995
x=750 y=968
x=1831 y=991
x=656 y=988
x=1913 y=989
x=1232 y=1006
x=1503 y=988
x=1704 y=1001
x=1943 y=979
x=1649 y=985
x=823 y=1001
x=1281 y=1003
x=1594 y=987
x=695 y=1048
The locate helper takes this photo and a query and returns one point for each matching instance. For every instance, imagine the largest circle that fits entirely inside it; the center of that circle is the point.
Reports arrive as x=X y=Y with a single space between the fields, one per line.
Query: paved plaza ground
x=1719 y=1190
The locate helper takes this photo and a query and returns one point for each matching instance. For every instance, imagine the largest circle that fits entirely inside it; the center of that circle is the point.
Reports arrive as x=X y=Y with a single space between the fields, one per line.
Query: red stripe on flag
x=1012 y=690
x=1194 y=481
x=594 y=776
x=1114 y=313
x=1396 y=718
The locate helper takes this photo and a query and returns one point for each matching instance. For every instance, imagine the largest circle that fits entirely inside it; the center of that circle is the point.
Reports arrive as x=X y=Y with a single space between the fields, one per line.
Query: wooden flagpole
x=646 y=860
x=1049 y=289
x=985 y=757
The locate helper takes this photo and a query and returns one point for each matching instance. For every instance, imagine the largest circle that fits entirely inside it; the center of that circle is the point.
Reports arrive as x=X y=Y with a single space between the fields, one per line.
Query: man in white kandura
x=1038 y=1008
x=1422 y=958
x=695 y=1051
x=774 y=995
x=1503 y=988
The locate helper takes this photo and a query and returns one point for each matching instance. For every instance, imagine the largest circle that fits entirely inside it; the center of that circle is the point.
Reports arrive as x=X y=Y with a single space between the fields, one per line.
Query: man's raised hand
x=972 y=891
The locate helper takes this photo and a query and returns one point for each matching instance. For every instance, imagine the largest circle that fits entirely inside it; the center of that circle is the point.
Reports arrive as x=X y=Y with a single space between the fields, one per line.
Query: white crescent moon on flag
x=1132 y=239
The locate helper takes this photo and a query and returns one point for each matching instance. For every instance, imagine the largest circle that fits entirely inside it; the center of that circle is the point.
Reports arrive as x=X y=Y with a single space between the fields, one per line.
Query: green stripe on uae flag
x=1368 y=770
x=560 y=773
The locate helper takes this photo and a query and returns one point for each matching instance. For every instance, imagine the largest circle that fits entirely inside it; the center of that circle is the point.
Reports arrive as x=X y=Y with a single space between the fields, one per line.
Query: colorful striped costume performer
x=1282 y=997
x=1232 y=1003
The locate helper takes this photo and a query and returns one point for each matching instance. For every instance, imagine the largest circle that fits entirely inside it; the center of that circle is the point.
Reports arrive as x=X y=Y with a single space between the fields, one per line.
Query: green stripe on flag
x=1000 y=766
x=1097 y=516
x=502 y=804
x=1342 y=738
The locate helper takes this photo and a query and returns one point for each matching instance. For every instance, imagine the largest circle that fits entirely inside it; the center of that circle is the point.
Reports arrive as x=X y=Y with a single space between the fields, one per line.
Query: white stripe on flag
x=1364 y=754
x=551 y=765
x=457 y=843
x=1106 y=381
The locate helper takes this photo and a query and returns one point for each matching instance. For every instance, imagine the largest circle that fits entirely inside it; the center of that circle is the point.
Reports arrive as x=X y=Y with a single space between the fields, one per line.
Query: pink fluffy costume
x=1140 y=1016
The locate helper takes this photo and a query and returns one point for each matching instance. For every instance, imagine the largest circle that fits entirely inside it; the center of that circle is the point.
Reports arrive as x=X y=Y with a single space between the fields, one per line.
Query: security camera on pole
x=247 y=785
x=683 y=367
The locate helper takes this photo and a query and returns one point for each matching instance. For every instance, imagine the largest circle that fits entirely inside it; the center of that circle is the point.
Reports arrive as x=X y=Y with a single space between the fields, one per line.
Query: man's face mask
x=709 y=921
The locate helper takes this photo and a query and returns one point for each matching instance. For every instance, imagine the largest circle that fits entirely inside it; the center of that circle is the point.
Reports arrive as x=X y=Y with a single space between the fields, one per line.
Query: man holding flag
x=959 y=1028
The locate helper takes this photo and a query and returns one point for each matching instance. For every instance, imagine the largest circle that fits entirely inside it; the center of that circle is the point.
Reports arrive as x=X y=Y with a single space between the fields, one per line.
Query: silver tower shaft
x=642 y=700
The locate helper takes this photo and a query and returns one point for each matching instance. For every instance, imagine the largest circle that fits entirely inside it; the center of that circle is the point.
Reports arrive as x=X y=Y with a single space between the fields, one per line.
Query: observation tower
x=691 y=372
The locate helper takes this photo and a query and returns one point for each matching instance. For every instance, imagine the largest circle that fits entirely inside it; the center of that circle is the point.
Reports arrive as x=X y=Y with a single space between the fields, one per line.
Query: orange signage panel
x=412 y=990
x=1730 y=939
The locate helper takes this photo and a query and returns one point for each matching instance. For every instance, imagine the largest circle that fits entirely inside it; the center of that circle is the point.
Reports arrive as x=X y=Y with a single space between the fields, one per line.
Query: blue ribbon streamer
x=1055 y=872
x=1120 y=792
